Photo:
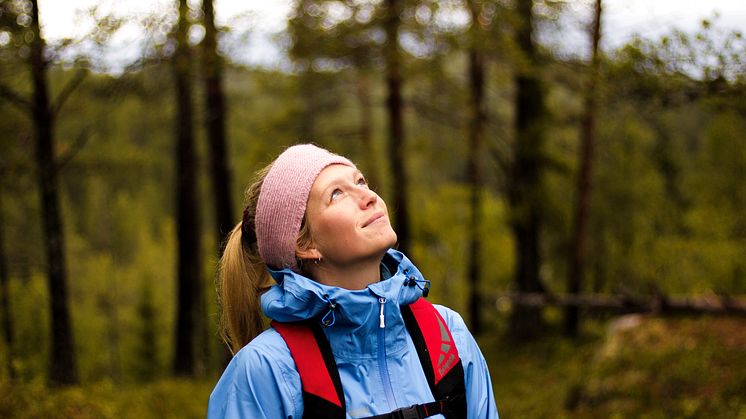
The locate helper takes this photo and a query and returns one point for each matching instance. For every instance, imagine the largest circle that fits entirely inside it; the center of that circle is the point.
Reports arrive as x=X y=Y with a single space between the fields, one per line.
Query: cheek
x=334 y=229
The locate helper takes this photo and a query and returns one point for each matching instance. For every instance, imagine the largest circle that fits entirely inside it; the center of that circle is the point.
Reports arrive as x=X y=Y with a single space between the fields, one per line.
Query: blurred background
x=568 y=174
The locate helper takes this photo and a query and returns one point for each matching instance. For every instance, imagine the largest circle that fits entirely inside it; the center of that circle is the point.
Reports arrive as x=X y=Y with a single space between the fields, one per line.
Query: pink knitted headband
x=283 y=198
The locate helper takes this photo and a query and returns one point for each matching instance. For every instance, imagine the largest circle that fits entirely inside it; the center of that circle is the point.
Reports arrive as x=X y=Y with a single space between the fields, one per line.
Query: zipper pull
x=382 y=322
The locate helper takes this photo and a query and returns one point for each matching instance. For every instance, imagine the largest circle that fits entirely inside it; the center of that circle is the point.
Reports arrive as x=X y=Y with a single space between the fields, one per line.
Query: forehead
x=333 y=173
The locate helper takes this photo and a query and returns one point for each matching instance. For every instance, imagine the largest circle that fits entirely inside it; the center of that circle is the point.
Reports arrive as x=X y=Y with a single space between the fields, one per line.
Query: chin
x=393 y=240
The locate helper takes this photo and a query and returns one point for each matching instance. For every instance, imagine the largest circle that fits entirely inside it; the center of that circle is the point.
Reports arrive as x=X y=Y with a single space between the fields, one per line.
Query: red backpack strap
x=322 y=388
x=438 y=355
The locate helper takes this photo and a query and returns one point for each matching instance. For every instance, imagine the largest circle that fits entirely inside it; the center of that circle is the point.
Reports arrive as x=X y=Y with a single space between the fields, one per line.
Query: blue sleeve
x=479 y=396
x=257 y=384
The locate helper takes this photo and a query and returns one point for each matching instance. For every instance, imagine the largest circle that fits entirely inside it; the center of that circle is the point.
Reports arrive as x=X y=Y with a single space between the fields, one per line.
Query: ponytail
x=242 y=278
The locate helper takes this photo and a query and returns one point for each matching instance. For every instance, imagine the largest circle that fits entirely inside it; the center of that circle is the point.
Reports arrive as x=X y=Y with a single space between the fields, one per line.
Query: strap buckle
x=411 y=412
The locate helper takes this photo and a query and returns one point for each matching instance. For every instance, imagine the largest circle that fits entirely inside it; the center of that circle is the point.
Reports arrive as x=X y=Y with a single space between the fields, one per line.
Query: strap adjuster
x=417 y=411
x=411 y=412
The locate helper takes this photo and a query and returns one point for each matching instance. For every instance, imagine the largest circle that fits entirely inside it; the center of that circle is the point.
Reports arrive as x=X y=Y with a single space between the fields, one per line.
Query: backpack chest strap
x=417 y=411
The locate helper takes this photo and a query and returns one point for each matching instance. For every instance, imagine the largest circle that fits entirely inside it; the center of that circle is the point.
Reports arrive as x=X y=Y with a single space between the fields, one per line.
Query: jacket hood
x=296 y=297
x=352 y=313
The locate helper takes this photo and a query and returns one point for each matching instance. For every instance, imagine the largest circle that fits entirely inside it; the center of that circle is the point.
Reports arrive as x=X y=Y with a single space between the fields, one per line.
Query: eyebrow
x=335 y=181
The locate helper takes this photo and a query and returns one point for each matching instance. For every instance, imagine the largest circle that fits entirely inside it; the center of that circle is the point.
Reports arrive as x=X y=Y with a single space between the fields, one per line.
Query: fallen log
x=657 y=304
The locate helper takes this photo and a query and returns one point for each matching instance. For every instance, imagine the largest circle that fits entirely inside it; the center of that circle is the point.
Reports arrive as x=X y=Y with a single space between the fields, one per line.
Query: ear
x=309 y=253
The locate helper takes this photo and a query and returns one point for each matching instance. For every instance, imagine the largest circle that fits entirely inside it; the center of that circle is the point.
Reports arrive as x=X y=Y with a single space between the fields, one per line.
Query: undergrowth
x=631 y=367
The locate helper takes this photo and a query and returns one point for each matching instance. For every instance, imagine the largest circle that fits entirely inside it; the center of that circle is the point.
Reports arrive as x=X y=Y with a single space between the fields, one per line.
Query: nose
x=368 y=198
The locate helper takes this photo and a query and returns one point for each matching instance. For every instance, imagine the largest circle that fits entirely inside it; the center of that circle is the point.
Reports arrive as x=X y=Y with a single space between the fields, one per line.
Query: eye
x=362 y=182
x=336 y=193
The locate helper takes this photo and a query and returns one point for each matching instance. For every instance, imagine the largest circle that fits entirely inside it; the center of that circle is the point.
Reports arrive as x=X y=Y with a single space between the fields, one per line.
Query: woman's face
x=348 y=222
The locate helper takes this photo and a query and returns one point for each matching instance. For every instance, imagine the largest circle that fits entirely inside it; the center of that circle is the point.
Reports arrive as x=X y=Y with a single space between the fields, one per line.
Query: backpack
x=323 y=396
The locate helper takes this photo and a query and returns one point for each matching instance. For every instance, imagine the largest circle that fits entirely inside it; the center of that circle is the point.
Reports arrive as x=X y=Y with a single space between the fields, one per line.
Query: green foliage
x=146 y=353
x=440 y=251
x=30 y=315
x=668 y=368
x=103 y=400
x=635 y=367
x=107 y=296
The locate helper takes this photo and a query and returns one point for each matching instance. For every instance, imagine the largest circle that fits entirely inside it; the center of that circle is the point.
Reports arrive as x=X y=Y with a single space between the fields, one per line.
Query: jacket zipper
x=382 y=364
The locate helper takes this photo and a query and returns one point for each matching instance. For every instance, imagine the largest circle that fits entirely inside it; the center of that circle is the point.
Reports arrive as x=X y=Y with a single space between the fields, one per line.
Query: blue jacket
x=379 y=367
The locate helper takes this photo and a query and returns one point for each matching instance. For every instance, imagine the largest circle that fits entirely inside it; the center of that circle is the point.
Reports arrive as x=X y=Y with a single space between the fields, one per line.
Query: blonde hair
x=243 y=276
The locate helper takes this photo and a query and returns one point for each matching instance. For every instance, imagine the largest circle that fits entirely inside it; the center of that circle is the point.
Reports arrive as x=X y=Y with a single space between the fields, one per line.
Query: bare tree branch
x=15 y=98
x=425 y=108
x=77 y=145
x=69 y=88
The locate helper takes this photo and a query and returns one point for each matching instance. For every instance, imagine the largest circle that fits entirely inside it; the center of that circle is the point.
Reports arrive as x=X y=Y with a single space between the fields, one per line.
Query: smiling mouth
x=373 y=219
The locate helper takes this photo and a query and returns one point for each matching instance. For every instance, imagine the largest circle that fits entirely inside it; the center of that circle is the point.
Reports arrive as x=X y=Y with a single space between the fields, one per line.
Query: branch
x=14 y=98
x=433 y=113
x=69 y=88
x=77 y=145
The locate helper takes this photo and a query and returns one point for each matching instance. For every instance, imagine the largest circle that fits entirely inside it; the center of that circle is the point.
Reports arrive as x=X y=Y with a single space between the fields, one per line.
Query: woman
x=313 y=225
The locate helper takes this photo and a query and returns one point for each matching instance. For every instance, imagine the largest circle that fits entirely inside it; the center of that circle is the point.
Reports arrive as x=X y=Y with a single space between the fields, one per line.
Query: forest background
x=518 y=173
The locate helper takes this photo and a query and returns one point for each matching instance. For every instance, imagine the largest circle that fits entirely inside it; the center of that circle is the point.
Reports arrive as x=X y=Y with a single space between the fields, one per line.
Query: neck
x=353 y=276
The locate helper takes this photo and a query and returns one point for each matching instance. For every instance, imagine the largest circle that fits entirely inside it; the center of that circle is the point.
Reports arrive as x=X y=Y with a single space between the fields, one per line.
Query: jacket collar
x=352 y=313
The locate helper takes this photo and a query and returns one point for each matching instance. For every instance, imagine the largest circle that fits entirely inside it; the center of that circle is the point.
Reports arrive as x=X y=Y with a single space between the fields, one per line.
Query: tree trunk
x=146 y=354
x=576 y=266
x=109 y=307
x=215 y=122
x=524 y=191
x=189 y=261
x=5 y=296
x=307 y=87
x=62 y=368
x=394 y=110
x=366 y=127
x=476 y=132
x=216 y=116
